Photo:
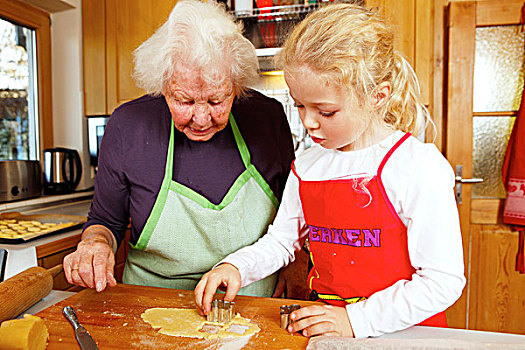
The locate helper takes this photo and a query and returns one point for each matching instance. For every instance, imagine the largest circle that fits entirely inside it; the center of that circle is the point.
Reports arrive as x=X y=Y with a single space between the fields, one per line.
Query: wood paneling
x=31 y=17
x=414 y=30
x=496 y=287
x=401 y=14
x=487 y=211
x=423 y=50
x=503 y=12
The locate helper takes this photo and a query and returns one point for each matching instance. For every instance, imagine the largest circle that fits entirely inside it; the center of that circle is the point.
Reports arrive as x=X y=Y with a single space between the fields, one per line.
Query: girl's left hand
x=321 y=320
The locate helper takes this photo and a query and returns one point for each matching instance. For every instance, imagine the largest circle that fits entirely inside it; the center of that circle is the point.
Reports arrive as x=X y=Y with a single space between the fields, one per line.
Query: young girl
x=376 y=204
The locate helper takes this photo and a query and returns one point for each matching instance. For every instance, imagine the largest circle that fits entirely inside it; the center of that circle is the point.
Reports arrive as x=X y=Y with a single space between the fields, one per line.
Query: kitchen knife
x=83 y=337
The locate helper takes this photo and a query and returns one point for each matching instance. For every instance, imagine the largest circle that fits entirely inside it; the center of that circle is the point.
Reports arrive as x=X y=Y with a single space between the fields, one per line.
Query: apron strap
x=293 y=170
x=243 y=149
x=389 y=153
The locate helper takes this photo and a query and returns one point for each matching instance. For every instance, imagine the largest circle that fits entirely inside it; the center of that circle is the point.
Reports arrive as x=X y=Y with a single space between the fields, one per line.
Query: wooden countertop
x=113 y=320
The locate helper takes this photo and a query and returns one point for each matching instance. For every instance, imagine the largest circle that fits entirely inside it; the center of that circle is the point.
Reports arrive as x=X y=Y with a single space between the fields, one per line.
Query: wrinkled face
x=331 y=116
x=198 y=108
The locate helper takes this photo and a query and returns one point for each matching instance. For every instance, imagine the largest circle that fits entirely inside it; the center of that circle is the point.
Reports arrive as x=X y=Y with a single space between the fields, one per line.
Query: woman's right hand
x=225 y=276
x=92 y=264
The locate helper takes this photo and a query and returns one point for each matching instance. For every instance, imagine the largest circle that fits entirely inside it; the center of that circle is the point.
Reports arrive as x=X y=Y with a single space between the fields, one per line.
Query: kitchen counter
x=21 y=256
x=44 y=201
x=113 y=319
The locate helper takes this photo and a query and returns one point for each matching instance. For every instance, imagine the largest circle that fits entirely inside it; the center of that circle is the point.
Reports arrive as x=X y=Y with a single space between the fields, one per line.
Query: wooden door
x=494 y=298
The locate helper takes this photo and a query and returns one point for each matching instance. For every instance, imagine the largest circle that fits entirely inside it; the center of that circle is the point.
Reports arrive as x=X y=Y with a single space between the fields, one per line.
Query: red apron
x=358 y=243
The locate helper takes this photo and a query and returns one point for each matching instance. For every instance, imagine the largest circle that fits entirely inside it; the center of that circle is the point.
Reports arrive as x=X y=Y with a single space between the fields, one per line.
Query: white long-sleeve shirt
x=419 y=182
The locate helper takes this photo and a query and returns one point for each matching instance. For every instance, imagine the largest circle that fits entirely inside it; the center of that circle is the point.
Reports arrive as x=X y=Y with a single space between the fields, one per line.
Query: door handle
x=468 y=181
x=460 y=180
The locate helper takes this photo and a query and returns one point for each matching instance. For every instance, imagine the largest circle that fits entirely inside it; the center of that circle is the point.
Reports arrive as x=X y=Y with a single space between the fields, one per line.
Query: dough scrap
x=188 y=323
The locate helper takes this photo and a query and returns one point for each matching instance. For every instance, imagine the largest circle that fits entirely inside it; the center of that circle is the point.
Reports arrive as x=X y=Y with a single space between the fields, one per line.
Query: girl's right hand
x=224 y=276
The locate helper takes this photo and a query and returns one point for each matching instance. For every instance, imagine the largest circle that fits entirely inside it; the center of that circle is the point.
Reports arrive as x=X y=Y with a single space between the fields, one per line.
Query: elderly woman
x=198 y=164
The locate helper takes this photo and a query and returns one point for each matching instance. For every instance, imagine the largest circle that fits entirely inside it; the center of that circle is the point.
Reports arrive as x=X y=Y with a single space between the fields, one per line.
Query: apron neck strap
x=168 y=173
x=241 y=145
x=387 y=156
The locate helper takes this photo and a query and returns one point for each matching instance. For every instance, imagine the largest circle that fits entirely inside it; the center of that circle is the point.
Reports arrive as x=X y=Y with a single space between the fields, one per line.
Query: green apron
x=186 y=235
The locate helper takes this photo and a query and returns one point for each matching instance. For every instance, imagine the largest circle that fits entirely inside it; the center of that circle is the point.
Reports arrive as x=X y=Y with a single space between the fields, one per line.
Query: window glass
x=18 y=99
x=499 y=68
x=491 y=136
x=498 y=84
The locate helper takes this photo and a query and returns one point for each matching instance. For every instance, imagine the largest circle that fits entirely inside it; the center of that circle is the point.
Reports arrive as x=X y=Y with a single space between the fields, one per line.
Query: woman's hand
x=321 y=320
x=91 y=265
x=224 y=275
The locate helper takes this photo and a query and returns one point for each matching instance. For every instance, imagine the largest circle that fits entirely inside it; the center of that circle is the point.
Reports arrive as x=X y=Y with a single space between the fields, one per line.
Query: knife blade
x=83 y=337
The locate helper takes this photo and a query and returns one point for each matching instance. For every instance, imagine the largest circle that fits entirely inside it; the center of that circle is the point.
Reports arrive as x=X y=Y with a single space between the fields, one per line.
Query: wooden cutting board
x=112 y=317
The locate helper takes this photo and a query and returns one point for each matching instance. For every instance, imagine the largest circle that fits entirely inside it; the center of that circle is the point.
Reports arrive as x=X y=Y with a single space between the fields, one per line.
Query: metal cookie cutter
x=285 y=311
x=221 y=311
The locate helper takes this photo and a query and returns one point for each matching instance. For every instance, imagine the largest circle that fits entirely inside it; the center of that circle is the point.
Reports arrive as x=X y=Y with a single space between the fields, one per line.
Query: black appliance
x=62 y=170
x=96 y=128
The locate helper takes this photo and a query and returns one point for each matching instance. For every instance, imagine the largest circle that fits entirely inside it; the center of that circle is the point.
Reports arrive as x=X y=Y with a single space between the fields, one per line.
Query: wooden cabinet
x=112 y=29
x=120 y=257
x=53 y=253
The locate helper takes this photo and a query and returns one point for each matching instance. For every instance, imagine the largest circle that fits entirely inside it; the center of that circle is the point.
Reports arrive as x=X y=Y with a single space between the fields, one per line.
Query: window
x=26 y=125
x=19 y=136
x=498 y=84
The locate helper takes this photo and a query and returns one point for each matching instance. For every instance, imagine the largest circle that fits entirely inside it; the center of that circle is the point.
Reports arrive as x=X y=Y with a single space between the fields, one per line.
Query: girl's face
x=198 y=108
x=331 y=115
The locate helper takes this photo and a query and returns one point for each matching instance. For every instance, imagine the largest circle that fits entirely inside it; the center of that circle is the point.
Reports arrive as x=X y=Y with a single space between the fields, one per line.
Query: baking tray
x=74 y=221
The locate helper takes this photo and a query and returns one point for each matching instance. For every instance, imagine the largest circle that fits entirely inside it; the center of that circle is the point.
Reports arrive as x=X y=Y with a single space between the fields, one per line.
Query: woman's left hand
x=321 y=320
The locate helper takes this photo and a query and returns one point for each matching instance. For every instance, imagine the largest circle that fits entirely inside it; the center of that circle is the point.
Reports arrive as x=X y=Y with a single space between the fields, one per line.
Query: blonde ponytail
x=404 y=110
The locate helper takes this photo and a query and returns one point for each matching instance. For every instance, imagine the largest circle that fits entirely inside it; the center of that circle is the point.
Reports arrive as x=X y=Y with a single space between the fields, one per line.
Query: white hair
x=201 y=36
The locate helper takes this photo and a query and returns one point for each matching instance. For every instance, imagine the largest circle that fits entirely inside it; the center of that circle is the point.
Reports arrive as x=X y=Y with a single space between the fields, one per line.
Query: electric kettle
x=62 y=170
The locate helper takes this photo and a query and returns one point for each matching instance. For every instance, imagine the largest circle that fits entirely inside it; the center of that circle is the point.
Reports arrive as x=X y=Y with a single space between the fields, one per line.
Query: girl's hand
x=321 y=320
x=224 y=275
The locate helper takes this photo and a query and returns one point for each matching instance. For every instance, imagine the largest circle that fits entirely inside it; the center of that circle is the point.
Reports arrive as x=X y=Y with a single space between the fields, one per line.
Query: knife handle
x=71 y=316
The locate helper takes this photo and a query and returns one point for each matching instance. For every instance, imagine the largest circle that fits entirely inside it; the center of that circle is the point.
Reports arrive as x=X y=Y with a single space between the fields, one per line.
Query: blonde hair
x=200 y=35
x=353 y=47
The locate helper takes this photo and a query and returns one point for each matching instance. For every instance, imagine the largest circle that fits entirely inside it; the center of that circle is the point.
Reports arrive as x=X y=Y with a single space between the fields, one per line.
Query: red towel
x=514 y=180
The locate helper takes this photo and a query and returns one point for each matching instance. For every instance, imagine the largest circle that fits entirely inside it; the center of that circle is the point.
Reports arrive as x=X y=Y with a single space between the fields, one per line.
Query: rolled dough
x=188 y=323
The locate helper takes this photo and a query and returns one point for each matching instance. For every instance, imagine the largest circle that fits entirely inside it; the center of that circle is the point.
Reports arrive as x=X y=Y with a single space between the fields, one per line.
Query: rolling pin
x=25 y=289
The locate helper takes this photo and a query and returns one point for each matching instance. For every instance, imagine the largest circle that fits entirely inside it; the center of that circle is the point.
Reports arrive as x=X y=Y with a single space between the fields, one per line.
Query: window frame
x=26 y=15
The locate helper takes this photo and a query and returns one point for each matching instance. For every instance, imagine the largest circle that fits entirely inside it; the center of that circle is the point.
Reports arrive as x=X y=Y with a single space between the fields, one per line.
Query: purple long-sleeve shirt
x=133 y=154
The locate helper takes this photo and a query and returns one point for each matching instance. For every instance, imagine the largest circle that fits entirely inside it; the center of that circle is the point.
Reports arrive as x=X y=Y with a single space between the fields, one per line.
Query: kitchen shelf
x=277 y=13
